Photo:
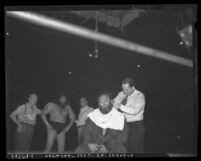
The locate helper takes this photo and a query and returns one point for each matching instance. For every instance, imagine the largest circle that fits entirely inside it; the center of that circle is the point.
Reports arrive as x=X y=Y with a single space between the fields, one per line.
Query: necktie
x=124 y=101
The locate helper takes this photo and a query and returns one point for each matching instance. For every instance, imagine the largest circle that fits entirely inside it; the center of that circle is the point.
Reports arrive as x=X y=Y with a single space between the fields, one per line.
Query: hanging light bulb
x=96 y=50
x=181 y=43
x=96 y=53
x=90 y=55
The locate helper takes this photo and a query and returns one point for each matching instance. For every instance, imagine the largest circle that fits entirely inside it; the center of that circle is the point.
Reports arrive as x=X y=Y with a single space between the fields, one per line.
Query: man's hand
x=66 y=129
x=93 y=147
x=117 y=105
x=19 y=128
x=103 y=149
x=49 y=127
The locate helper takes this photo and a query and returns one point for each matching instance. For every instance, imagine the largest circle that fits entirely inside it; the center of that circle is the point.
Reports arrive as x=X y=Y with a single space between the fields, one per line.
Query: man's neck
x=132 y=92
x=62 y=105
x=30 y=105
x=84 y=106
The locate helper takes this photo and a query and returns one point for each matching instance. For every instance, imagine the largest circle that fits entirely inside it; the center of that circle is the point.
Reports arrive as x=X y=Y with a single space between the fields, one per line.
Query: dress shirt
x=134 y=107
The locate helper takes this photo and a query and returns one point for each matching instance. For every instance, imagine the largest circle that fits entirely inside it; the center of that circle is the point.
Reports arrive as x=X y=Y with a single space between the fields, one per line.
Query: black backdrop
x=38 y=60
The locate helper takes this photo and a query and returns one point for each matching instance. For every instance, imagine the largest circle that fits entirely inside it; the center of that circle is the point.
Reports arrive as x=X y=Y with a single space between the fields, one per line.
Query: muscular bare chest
x=58 y=112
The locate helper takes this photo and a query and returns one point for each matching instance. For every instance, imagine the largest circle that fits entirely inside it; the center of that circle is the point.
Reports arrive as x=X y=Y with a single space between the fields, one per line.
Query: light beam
x=90 y=34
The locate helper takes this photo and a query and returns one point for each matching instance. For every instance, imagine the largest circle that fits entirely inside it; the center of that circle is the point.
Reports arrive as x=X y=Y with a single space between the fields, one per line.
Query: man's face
x=83 y=102
x=105 y=104
x=127 y=89
x=33 y=99
x=62 y=100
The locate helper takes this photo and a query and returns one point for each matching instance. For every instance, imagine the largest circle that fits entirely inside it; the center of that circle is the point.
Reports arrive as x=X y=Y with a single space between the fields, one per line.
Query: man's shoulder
x=67 y=106
x=21 y=107
x=93 y=111
x=90 y=108
x=51 y=104
x=139 y=93
x=121 y=93
x=93 y=114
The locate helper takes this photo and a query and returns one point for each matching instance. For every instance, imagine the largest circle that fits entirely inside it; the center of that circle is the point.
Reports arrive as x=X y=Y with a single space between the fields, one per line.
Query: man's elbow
x=12 y=116
x=72 y=119
x=42 y=115
x=137 y=110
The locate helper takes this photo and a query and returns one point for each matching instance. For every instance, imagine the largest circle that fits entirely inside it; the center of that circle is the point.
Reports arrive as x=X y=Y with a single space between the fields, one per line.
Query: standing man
x=25 y=117
x=57 y=127
x=132 y=103
x=84 y=111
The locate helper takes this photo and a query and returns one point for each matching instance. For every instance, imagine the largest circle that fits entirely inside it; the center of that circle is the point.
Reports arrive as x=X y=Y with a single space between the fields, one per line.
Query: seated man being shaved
x=105 y=130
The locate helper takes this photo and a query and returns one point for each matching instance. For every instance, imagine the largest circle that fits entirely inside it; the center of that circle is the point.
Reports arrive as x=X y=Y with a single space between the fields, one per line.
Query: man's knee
x=118 y=148
x=61 y=149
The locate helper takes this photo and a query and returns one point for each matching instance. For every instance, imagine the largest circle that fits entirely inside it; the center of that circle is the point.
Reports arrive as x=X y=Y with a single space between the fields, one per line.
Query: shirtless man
x=57 y=126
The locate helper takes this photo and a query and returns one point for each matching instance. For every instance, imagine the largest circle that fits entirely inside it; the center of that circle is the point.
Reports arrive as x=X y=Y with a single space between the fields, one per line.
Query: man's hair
x=84 y=99
x=129 y=81
x=63 y=95
x=105 y=93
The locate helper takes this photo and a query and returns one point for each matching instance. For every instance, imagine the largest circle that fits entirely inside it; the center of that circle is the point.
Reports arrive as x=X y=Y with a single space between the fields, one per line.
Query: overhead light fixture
x=186 y=35
x=181 y=43
x=184 y=31
x=138 y=65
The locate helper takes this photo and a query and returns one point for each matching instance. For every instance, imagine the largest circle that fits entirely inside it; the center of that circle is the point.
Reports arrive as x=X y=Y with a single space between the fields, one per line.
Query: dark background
x=38 y=61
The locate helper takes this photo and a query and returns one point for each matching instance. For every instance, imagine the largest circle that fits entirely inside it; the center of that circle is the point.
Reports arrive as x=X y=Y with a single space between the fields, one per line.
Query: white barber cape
x=113 y=120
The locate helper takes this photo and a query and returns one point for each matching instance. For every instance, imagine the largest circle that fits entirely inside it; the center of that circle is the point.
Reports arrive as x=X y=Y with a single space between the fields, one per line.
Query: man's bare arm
x=38 y=111
x=72 y=118
x=46 y=111
x=13 y=117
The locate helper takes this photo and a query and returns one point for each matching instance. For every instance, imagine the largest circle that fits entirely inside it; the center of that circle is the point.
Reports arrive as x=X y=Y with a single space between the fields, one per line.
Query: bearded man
x=105 y=130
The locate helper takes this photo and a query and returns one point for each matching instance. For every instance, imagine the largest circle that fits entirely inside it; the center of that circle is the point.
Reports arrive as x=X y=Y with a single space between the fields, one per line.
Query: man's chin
x=62 y=104
x=104 y=111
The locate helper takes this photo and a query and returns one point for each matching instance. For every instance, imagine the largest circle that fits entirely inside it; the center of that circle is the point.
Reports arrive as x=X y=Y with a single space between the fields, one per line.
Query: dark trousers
x=80 y=130
x=23 y=139
x=135 y=142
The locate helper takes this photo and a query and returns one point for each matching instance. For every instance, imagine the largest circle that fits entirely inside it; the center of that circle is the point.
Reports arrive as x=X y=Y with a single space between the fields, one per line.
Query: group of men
x=116 y=126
